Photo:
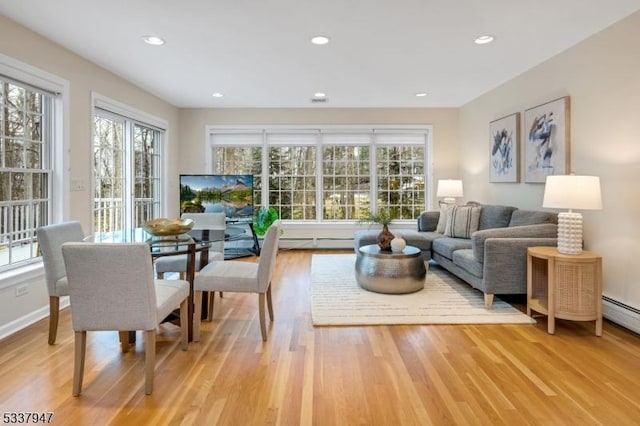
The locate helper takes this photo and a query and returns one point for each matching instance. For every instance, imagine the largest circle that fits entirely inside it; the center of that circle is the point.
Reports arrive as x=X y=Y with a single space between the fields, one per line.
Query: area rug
x=337 y=299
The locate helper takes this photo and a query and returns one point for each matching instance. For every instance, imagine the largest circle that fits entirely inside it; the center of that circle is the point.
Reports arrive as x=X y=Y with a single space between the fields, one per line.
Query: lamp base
x=569 y=233
x=449 y=200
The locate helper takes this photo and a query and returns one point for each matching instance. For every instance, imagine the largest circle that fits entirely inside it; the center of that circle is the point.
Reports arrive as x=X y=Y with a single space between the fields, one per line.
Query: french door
x=126 y=173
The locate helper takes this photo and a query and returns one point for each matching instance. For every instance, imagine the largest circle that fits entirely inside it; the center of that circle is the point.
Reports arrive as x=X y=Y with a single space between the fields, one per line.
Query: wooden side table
x=566 y=286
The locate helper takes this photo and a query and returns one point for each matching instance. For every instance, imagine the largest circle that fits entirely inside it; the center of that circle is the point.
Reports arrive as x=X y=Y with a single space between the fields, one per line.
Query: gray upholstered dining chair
x=50 y=240
x=238 y=276
x=211 y=227
x=112 y=287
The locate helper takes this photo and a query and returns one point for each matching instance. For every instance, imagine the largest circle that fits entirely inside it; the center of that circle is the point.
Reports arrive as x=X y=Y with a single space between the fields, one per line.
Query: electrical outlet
x=77 y=185
x=21 y=290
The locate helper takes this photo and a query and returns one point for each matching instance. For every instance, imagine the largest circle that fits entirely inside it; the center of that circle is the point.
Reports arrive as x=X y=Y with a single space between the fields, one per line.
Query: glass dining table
x=175 y=245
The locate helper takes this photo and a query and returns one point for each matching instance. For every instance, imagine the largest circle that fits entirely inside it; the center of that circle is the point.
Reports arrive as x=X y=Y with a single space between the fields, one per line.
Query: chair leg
x=184 y=323
x=80 y=345
x=269 y=304
x=263 y=326
x=197 y=313
x=149 y=359
x=212 y=298
x=54 y=314
x=124 y=340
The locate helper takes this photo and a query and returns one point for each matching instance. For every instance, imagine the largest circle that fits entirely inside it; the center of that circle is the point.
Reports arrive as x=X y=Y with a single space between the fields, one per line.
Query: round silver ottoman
x=390 y=272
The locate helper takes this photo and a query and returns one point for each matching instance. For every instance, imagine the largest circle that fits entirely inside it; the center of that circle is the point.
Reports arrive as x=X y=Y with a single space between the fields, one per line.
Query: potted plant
x=263 y=219
x=384 y=217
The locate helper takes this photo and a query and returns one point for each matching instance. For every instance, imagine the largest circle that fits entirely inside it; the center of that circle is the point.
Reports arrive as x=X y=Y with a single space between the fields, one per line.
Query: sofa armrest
x=478 y=238
x=505 y=267
x=428 y=221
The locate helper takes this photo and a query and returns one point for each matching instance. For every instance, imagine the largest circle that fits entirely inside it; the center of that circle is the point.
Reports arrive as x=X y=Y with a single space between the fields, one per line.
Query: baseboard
x=30 y=318
x=620 y=313
x=315 y=243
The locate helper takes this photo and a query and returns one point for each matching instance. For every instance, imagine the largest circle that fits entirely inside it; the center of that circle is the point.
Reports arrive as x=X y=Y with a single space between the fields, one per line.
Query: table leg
x=204 y=261
x=190 y=275
x=551 y=295
x=599 y=326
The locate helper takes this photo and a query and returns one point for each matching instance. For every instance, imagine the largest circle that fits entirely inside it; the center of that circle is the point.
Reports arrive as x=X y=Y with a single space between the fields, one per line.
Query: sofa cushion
x=465 y=260
x=365 y=237
x=446 y=246
x=428 y=221
x=462 y=221
x=532 y=217
x=421 y=240
x=442 y=220
x=545 y=230
x=494 y=216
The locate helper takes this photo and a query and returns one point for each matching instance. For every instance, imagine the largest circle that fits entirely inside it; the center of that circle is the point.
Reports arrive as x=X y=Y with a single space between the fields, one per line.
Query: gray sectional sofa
x=492 y=258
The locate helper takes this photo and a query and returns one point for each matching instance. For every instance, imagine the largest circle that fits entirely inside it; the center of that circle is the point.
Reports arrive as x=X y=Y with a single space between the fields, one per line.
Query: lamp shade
x=449 y=188
x=572 y=192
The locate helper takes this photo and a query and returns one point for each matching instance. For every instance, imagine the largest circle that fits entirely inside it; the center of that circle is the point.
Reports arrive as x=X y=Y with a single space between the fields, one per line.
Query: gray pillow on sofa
x=532 y=217
x=495 y=216
x=462 y=221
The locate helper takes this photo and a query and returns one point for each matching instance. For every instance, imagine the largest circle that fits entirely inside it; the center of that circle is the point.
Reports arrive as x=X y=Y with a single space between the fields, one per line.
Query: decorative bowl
x=168 y=227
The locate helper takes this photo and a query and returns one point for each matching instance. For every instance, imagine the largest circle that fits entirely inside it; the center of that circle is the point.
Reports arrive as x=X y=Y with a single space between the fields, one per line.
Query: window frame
x=130 y=117
x=58 y=157
x=425 y=130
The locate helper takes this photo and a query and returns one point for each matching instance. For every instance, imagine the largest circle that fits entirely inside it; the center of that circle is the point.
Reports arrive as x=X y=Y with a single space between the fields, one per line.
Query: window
x=400 y=171
x=26 y=143
x=240 y=154
x=346 y=177
x=292 y=174
x=327 y=174
x=126 y=172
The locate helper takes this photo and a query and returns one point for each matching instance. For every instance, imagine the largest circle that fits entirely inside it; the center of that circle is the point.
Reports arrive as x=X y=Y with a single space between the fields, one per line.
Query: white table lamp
x=449 y=189
x=571 y=192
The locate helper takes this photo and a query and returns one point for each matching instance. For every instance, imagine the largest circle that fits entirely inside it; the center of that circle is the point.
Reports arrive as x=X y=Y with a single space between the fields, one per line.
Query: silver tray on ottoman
x=390 y=272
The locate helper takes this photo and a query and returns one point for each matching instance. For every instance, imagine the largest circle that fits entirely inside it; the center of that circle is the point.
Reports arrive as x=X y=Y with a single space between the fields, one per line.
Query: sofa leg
x=488 y=300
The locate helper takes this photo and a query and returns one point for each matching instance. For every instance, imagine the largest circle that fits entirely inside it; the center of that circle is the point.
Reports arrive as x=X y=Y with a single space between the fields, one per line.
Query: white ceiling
x=258 y=54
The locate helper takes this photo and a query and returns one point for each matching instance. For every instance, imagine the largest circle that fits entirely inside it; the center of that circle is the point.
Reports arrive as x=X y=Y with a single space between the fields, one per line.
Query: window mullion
x=348 y=188
x=373 y=173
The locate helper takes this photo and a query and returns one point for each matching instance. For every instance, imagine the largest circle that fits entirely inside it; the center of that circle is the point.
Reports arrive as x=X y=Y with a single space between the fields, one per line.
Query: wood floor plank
x=305 y=375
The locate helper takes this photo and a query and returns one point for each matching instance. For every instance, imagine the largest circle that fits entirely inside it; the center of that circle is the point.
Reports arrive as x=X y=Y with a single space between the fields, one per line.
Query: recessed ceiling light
x=319 y=95
x=421 y=94
x=320 y=40
x=153 y=40
x=484 y=39
x=217 y=95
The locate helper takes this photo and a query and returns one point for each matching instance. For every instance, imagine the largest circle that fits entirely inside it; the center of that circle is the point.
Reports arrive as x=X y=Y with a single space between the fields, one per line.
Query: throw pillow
x=442 y=220
x=462 y=221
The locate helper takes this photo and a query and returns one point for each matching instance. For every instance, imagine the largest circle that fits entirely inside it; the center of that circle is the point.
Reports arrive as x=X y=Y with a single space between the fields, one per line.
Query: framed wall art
x=504 y=143
x=546 y=145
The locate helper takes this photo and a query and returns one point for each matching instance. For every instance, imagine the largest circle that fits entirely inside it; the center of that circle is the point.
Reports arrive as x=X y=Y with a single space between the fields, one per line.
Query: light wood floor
x=382 y=375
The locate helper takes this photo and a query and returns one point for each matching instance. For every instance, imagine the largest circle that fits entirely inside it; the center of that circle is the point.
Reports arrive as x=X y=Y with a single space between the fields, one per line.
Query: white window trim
x=124 y=110
x=426 y=129
x=59 y=208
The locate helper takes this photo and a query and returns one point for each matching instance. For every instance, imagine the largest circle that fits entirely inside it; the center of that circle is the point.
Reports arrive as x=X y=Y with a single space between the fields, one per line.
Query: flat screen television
x=231 y=194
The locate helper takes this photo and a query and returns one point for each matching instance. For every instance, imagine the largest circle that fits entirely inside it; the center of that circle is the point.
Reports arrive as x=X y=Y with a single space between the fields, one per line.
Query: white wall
x=444 y=121
x=22 y=44
x=602 y=76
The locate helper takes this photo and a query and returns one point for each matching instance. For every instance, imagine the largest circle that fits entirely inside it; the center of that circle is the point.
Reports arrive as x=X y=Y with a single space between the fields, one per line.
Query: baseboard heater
x=315 y=243
x=620 y=313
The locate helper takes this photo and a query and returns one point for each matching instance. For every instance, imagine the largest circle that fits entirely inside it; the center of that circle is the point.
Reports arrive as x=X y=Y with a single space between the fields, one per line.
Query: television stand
x=240 y=239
